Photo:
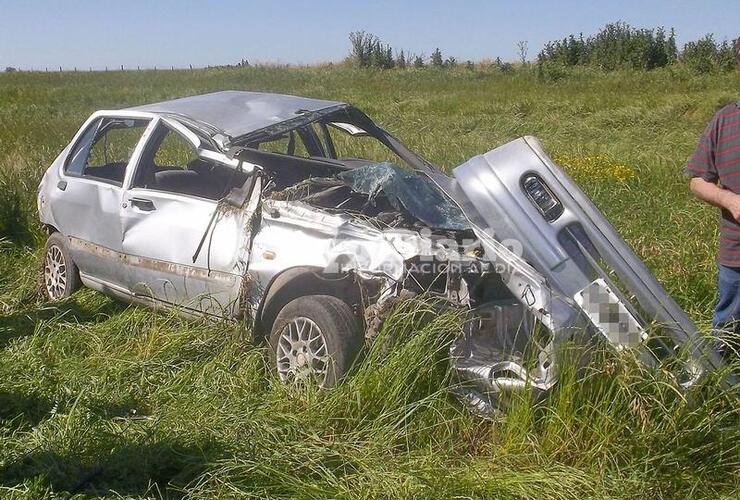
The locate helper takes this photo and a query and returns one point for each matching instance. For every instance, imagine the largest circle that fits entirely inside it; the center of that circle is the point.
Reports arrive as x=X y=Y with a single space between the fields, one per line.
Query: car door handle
x=142 y=204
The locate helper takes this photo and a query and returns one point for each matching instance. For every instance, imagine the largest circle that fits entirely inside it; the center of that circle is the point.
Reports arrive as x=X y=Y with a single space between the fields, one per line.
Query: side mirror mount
x=238 y=196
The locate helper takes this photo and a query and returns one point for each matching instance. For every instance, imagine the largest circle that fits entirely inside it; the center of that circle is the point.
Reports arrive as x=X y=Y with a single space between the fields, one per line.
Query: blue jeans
x=727 y=310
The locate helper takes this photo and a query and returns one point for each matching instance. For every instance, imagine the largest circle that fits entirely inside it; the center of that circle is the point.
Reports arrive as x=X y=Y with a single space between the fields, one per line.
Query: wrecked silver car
x=305 y=219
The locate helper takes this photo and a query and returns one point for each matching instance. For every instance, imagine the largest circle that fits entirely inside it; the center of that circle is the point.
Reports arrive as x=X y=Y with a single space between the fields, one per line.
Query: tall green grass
x=100 y=399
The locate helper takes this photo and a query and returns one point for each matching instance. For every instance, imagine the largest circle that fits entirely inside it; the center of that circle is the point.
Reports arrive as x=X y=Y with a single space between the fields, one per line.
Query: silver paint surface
x=147 y=256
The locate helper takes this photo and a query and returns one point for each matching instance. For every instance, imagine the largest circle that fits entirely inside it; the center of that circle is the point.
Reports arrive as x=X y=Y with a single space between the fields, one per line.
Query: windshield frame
x=341 y=113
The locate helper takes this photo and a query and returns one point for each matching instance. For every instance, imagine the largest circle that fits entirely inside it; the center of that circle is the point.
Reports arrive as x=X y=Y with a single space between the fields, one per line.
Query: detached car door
x=86 y=201
x=182 y=248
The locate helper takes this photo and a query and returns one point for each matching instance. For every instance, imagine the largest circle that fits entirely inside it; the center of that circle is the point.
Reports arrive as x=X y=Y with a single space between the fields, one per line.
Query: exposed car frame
x=523 y=248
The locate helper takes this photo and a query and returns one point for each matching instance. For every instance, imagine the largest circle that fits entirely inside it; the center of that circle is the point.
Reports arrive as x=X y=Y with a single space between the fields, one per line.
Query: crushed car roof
x=238 y=113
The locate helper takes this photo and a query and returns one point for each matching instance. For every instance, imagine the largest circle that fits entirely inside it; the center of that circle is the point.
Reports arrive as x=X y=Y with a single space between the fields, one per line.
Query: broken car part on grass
x=306 y=219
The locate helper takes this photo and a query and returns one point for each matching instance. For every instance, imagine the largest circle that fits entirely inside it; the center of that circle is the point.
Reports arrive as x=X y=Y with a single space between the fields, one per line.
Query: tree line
x=616 y=46
x=369 y=51
x=620 y=46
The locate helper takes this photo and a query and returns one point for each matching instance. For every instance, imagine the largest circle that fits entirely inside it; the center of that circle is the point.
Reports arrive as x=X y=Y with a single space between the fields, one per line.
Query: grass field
x=97 y=398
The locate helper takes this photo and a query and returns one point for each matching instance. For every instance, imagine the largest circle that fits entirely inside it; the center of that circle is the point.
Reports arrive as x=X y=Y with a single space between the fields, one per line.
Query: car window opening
x=335 y=164
x=169 y=163
x=103 y=151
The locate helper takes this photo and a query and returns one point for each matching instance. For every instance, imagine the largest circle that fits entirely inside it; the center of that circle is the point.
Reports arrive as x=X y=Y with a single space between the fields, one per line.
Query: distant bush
x=506 y=67
x=369 y=51
x=401 y=60
x=706 y=56
x=551 y=72
x=616 y=46
x=620 y=46
x=436 y=59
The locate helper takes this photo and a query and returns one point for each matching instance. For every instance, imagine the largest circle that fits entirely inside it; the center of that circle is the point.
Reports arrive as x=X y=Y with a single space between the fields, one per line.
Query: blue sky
x=76 y=33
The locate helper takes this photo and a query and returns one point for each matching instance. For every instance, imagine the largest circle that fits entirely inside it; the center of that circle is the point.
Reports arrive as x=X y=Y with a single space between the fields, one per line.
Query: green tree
x=701 y=55
x=368 y=50
x=726 y=56
x=361 y=47
x=401 y=61
x=619 y=46
x=436 y=59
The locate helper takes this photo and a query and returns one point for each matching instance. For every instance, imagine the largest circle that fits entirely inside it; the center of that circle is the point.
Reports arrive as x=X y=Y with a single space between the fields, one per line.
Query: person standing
x=714 y=170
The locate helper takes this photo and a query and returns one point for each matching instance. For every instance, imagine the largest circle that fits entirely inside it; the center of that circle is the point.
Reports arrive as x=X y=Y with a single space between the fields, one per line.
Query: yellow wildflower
x=594 y=167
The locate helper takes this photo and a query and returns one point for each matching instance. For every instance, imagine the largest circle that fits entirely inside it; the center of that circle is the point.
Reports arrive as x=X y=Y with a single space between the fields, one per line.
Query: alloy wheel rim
x=55 y=272
x=302 y=354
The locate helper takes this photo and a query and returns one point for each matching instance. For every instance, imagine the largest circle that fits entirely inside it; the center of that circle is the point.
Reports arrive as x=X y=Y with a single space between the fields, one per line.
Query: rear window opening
x=104 y=149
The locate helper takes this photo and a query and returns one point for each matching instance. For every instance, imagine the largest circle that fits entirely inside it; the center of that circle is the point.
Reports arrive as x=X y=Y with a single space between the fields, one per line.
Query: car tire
x=315 y=338
x=60 y=277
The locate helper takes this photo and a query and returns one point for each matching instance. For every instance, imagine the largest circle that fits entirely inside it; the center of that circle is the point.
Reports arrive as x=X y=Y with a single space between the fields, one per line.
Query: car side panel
x=159 y=245
x=87 y=211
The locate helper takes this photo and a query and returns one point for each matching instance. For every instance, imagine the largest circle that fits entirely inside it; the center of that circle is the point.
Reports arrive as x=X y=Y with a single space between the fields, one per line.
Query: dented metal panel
x=577 y=247
x=295 y=234
x=183 y=222
x=237 y=113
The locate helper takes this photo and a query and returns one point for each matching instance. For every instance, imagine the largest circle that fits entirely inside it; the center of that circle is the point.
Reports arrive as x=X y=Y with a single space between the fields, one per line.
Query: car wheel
x=60 y=276
x=315 y=339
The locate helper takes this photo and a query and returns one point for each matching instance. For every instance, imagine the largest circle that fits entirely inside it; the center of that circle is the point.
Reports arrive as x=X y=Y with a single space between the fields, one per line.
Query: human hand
x=732 y=205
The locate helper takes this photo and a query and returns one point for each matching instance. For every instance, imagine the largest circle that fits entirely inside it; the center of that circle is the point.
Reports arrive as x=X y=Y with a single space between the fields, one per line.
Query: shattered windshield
x=351 y=165
x=409 y=191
